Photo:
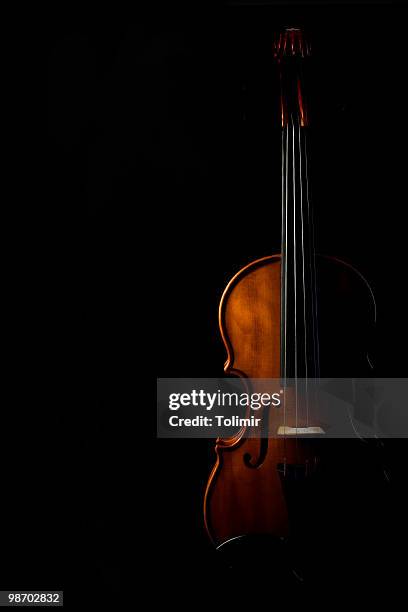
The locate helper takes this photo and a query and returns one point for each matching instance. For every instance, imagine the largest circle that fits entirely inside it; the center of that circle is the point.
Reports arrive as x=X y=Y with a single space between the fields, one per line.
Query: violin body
x=296 y=316
x=246 y=489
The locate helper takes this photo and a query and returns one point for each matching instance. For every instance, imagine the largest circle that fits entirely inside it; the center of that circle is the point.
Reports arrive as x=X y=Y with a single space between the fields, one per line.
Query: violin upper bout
x=249 y=318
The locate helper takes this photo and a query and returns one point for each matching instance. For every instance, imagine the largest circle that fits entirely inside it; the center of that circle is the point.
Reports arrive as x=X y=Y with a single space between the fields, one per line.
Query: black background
x=163 y=179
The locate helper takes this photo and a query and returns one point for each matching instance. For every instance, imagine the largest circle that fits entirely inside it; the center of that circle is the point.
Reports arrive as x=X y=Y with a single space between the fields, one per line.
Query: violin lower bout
x=247 y=489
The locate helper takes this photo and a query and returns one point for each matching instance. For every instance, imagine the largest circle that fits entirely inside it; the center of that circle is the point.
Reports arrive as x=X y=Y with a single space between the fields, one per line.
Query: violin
x=290 y=315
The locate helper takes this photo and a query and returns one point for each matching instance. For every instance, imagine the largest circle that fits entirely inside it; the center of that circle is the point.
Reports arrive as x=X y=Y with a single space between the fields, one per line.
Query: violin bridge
x=284 y=430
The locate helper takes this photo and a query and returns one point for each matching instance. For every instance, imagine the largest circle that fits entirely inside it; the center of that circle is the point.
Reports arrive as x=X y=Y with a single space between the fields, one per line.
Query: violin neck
x=298 y=281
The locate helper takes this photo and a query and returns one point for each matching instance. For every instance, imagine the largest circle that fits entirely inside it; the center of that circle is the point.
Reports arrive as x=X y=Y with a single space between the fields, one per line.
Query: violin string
x=283 y=305
x=294 y=271
x=309 y=265
x=312 y=266
x=286 y=262
x=282 y=295
x=312 y=270
x=303 y=275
